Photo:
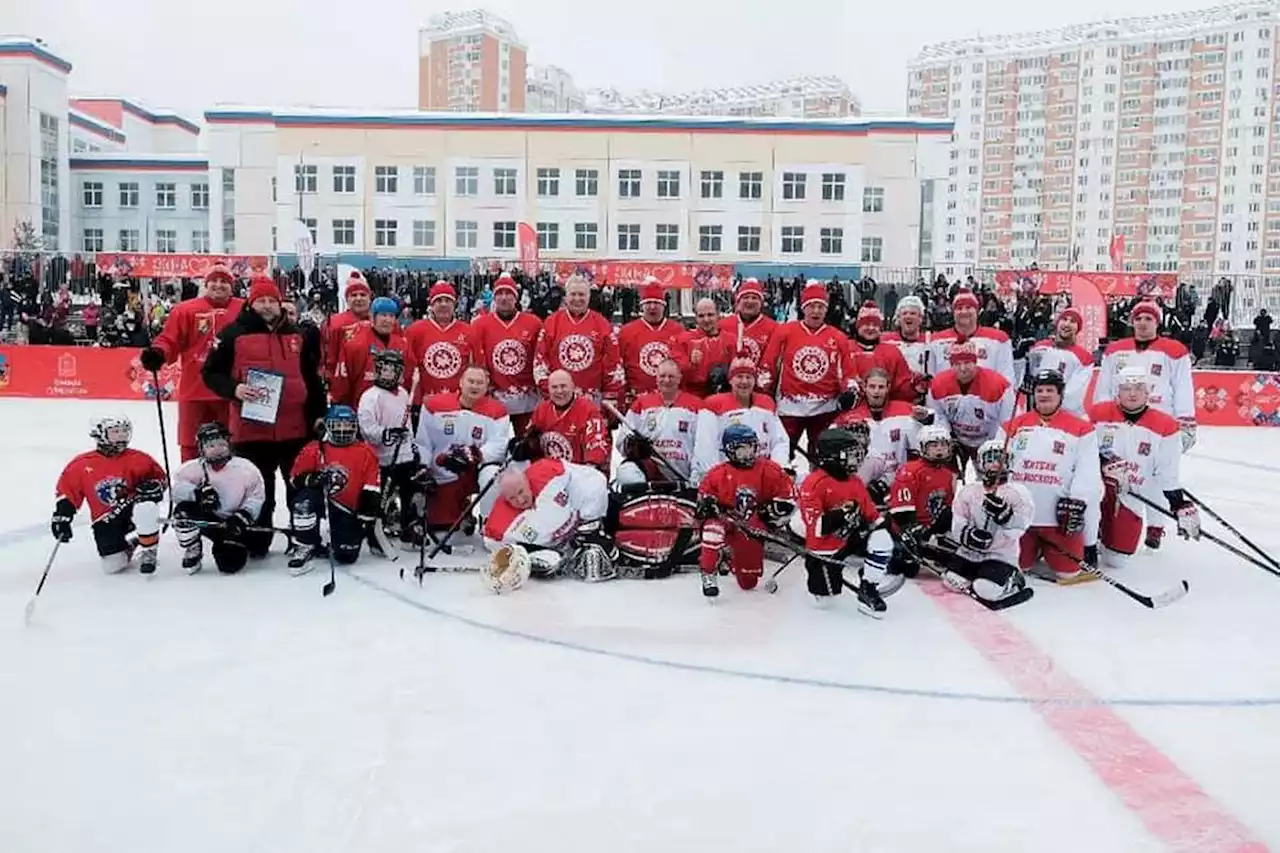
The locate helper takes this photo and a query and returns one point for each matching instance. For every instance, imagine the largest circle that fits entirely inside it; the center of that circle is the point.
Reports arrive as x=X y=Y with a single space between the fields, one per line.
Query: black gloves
x=525 y=448
x=207 y=499
x=879 y=491
x=636 y=447
x=392 y=436
x=997 y=508
x=707 y=508
x=151 y=358
x=976 y=539
x=63 y=513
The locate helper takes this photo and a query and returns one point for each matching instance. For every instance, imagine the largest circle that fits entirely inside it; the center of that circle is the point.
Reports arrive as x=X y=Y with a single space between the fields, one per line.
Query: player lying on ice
x=217 y=496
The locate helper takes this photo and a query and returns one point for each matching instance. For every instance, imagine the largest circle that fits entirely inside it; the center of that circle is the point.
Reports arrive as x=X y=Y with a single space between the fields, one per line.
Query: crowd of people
x=843 y=436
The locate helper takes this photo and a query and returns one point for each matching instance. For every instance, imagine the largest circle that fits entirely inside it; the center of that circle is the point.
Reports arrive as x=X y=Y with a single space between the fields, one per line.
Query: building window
x=200 y=241
x=199 y=196
x=750 y=185
x=504 y=181
x=166 y=196
x=305 y=178
x=128 y=240
x=833 y=186
x=344 y=232
x=311 y=229
x=748 y=238
x=832 y=241
x=228 y=210
x=628 y=238
x=548 y=183
x=793 y=186
x=386 y=180
x=712 y=184
x=466 y=234
x=50 y=203
x=873 y=199
x=384 y=232
x=466 y=181
x=792 y=239
x=585 y=236
x=92 y=193
x=628 y=183
x=424 y=180
x=666 y=238
x=344 y=179
x=587 y=182
x=549 y=235
x=129 y=194
x=166 y=241
x=668 y=184
x=872 y=250
x=273 y=189
x=424 y=233
x=709 y=238
x=92 y=240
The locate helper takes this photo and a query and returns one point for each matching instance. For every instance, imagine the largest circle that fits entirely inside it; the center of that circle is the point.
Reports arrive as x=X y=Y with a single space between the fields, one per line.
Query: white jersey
x=973 y=414
x=564 y=496
x=1074 y=363
x=445 y=424
x=893 y=436
x=992 y=346
x=1055 y=458
x=967 y=511
x=1167 y=364
x=379 y=411
x=238 y=483
x=1150 y=449
x=671 y=427
x=720 y=411
x=916 y=353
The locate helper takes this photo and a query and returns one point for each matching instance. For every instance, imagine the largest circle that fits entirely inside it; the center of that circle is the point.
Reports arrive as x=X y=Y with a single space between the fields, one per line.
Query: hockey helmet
x=1049 y=377
x=739 y=445
x=384 y=305
x=213 y=440
x=341 y=426
x=992 y=462
x=112 y=434
x=842 y=449
x=388 y=368
x=934 y=442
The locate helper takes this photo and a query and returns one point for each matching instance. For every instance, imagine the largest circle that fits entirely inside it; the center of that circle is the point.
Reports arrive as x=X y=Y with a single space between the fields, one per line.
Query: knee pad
x=146 y=523
x=185 y=529
x=747 y=580
x=229 y=556
x=346 y=555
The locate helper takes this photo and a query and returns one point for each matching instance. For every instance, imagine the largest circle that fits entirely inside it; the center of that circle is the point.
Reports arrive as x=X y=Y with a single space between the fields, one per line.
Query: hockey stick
x=662 y=460
x=423 y=556
x=155 y=387
x=1151 y=602
x=30 y=610
x=1204 y=534
x=1261 y=553
x=206 y=524
x=332 y=583
x=930 y=565
x=771 y=585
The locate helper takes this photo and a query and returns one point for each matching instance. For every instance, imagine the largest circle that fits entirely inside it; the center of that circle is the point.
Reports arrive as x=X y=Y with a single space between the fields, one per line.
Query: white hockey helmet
x=1130 y=376
x=992 y=461
x=933 y=435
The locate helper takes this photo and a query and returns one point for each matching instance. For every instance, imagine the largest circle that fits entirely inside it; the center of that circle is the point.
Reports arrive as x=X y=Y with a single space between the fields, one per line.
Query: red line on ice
x=1172 y=806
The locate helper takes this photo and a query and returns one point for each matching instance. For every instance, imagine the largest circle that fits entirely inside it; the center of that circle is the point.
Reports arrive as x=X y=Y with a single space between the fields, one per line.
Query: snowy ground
x=248 y=713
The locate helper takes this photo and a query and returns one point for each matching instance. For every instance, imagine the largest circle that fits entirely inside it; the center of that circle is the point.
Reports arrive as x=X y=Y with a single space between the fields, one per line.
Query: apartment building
x=471 y=62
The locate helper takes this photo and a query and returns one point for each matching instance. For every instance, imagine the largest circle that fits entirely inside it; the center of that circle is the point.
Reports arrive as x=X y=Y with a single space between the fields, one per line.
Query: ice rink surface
x=249 y=713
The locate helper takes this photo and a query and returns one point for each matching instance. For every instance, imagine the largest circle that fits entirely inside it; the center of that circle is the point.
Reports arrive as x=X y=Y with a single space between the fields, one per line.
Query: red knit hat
x=261 y=286
x=748 y=286
x=740 y=365
x=962 y=353
x=813 y=292
x=1149 y=309
x=651 y=291
x=869 y=314
x=1074 y=314
x=965 y=299
x=219 y=272
x=506 y=282
x=442 y=290
x=356 y=284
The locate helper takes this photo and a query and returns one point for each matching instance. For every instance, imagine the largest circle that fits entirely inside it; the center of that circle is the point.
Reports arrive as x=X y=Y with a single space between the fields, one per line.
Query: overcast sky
x=190 y=56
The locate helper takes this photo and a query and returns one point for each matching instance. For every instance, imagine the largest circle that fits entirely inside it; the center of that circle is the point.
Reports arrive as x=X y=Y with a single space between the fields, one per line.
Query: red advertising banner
x=633 y=273
x=1112 y=285
x=87 y=373
x=527 y=244
x=161 y=265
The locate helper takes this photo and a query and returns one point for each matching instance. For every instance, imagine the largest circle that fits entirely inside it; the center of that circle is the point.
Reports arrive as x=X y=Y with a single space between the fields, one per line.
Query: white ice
x=248 y=713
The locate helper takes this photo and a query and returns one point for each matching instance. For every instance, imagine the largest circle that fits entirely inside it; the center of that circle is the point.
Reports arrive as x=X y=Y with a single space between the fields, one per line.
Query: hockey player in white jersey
x=988 y=521
x=661 y=423
x=970 y=400
x=893 y=428
x=741 y=404
x=1063 y=354
x=384 y=422
x=217 y=496
x=913 y=341
x=990 y=345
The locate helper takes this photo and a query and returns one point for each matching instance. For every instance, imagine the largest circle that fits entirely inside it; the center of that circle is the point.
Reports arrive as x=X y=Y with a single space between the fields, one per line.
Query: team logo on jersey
x=562 y=498
x=684 y=426
x=979 y=414
x=204 y=322
x=744 y=502
x=477 y=433
x=1144 y=448
x=576 y=352
x=338 y=478
x=936 y=504
x=557 y=446
x=651 y=424
x=1062 y=368
x=653 y=354
x=1021 y=443
x=350 y=332
x=448 y=425
x=510 y=358
x=1155 y=369
x=442 y=360
x=895 y=435
x=1060 y=447
x=810 y=363
x=111 y=490
x=1108 y=439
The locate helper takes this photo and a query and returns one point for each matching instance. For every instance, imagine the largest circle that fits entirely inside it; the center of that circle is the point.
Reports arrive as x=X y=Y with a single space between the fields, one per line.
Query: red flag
x=527 y=243
x=1117 y=251
x=1087 y=299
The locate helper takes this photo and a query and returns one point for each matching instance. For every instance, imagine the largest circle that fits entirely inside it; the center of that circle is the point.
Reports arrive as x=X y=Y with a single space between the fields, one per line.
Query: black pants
x=110 y=535
x=268 y=457
x=397 y=480
x=346 y=530
x=229 y=553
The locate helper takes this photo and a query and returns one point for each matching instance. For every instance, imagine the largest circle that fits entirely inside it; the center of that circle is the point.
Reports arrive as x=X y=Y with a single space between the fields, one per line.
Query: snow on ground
x=249 y=713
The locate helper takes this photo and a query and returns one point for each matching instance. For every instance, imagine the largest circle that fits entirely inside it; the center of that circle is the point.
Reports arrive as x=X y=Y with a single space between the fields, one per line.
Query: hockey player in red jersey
x=439 y=346
x=707 y=351
x=840 y=520
x=745 y=492
x=1063 y=354
x=748 y=326
x=504 y=343
x=870 y=351
x=343 y=326
x=354 y=374
x=337 y=476
x=582 y=342
x=123 y=488
x=647 y=341
x=566 y=426
x=920 y=499
x=742 y=404
x=990 y=344
x=893 y=427
x=188 y=335
x=913 y=342
x=810 y=364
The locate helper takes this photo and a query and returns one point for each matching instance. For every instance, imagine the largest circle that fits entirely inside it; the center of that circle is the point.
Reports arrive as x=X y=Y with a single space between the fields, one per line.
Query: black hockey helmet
x=388 y=368
x=213 y=441
x=842 y=449
x=1049 y=377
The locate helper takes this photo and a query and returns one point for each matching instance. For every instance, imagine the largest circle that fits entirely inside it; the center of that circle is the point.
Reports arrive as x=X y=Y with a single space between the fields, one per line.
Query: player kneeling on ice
x=384 y=423
x=547 y=521
x=841 y=520
x=920 y=502
x=219 y=496
x=337 y=477
x=745 y=492
x=123 y=488
x=988 y=520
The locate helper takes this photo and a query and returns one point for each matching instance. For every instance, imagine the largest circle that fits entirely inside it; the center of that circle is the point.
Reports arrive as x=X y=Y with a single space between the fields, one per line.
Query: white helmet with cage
x=934 y=443
x=112 y=434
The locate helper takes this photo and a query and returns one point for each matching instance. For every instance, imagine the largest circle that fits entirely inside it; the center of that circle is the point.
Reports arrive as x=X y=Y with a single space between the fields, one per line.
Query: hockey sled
x=655 y=531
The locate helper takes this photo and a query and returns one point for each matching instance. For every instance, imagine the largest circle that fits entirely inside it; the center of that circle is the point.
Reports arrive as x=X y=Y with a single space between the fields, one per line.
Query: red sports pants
x=1050 y=543
x=810 y=426
x=744 y=554
x=1121 y=527
x=192 y=414
x=446 y=504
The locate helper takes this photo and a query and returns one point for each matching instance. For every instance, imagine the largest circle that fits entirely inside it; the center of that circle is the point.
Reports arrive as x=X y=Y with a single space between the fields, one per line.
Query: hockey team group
x=923 y=450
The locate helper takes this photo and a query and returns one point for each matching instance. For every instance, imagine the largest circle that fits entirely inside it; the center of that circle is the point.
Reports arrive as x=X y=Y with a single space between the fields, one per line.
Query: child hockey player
x=920 y=500
x=123 y=488
x=384 y=423
x=216 y=495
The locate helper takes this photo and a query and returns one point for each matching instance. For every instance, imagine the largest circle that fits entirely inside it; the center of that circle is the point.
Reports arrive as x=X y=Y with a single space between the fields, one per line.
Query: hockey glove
x=707 y=507
x=457 y=460
x=151 y=358
x=1021 y=349
x=847 y=399
x=207 y=499
x=718 y=379
x=393 y=436
x=237 y=525
x=1070 y=514
x=976 y=539
x=636 y=447
x=776 y=513
x=148 y=491
x=1115 y=475
x=1188 y=521
x=1188 y=428
x=910 y=537
x=920 y=384
x=63 y=513
x=525 y=448
x=997 y=508
x=922 y=415
x=841 y=521
x=368 y=505
x=312 y=480
x=879 y=491
x=1091 y=555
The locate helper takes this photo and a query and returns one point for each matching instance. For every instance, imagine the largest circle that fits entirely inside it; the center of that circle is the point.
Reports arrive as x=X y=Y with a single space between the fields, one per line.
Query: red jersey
x=577 y=434
x=752 y=337
x=809 y=367
x=438 y=355
x=642 y=348
x=339 y=329
x=921 y=492
x=187 y=337
x=821 y=492
x=888 y=357
x=352 y=469
x=354 y=375
x=506 y=350
x=106 y=482
x=586 y=346
x=716 y=350
x=742 y=491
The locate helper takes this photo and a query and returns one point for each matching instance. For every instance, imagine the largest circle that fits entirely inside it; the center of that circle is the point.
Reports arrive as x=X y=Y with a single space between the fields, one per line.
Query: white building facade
x=126 y=203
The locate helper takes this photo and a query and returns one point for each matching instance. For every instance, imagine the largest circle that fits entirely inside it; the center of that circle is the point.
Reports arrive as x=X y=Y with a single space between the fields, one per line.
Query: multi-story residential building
x=810 y=193
x=797 y=97
x=470 y=62
x=550 y=89
x=1156 y=133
